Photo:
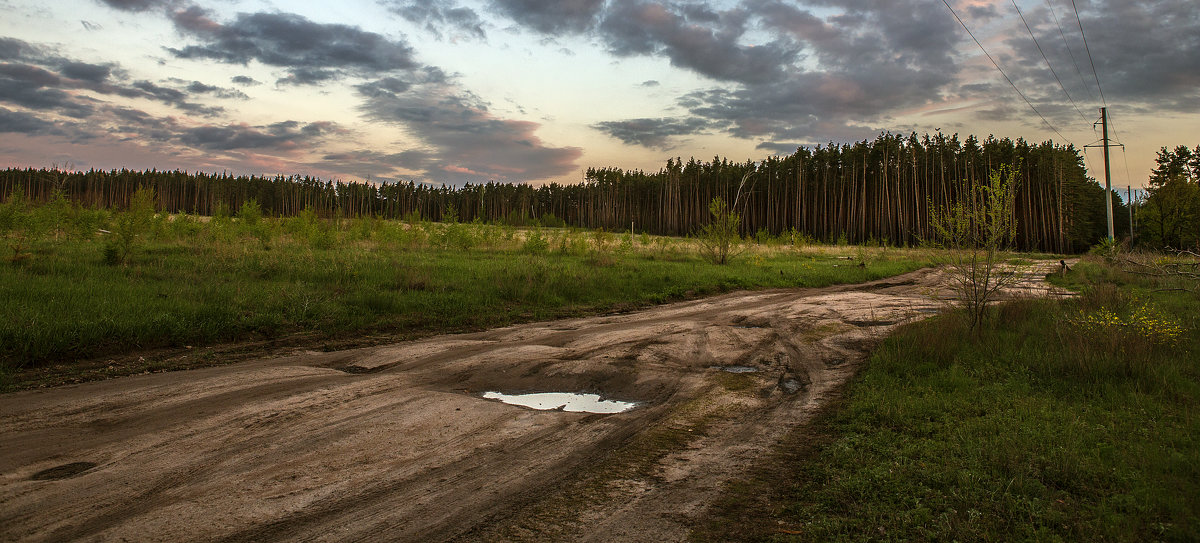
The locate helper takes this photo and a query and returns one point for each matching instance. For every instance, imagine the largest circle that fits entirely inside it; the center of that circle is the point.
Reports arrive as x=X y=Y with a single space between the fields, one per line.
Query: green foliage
x=548 y=220
x=626 y=245
x=535 y=242
x=1170 y=216
x=130 y=227
x=220 y=211
x=719 y=239
x=13 y=213
x=250 y=212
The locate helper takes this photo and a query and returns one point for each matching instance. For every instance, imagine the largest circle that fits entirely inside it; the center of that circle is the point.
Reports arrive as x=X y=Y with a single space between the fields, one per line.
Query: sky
x=469 y=91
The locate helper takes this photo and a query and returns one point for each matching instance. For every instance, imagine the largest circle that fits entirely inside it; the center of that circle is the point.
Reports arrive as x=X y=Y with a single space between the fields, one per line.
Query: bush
x=130 y=227
x=250 y=212
x=719 y=239
x=535 y=242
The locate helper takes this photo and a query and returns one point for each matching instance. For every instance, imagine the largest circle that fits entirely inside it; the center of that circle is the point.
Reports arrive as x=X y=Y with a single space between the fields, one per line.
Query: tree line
x=872 y=191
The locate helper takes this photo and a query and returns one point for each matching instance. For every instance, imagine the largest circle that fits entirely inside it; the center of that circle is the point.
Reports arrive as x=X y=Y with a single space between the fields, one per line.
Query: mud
x=395 y=443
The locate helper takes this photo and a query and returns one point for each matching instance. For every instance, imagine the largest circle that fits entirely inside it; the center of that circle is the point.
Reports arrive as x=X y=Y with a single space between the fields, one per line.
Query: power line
x=1047 y=59
x=1066 y=44
x=1089 y=52
x=1001 y=70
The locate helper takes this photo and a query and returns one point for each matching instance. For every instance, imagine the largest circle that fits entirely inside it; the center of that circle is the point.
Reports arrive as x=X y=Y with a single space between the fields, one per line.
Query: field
x=74 y=294
x=1058 y=418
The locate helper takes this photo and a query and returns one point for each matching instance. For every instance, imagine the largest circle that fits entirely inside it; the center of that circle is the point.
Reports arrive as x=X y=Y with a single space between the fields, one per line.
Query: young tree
x=719 y=239
x=977 y=231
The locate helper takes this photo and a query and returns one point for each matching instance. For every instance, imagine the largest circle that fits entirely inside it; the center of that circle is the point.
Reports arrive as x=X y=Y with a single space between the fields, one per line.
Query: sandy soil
x=394 y=443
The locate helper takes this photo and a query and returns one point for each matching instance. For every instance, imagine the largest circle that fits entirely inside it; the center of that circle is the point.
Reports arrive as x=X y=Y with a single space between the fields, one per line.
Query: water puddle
x=736 y=369
x=563 y=401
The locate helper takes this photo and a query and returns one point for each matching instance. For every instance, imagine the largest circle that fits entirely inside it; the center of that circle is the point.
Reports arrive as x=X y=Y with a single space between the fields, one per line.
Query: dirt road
x=395 y=443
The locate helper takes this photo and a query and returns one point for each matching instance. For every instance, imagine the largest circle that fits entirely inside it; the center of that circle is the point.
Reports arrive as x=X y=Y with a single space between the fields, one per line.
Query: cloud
x=197 y=87
x=286 y=135
x=779 y=148
x=14 y=49
x=33 y=87
x=19 y=122
x=136 y=5
x=245 y=80
x=309 y=52
x=435 y=15
x=1146 y=54
x=377 y=165
x=463 y=137
x=652 y=133
x=554 y=18
x=702 y=40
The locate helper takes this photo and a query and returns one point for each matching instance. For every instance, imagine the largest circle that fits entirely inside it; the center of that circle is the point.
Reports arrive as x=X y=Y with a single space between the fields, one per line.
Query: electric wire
x=1001 y=70
x=1089 y=53
x=1047 y=59
x=1070 y=51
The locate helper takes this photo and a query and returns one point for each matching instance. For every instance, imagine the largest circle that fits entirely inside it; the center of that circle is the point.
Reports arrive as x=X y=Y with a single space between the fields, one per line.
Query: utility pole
x=1107 y=176
x=1107 y=179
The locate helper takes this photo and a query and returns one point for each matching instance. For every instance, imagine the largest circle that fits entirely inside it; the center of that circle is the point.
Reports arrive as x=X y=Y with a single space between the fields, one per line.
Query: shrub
x=535 y=242
x=250 y=212
x=719 y=239
x=130 y=227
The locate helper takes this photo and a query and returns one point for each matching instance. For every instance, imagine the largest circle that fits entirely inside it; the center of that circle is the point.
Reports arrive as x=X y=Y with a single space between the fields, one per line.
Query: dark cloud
x=706 y=42
x=377 y=165
x=287 y=135
x=197 y=87
x=778 y=148
x=310 y=52
x=137 y=5
x=836 y=72
x=466 y=141
x=19 y=122
x=1146 y=54
x=557 y=17
x=34 y=88
x=436 y=15
x=653 y=133
x=245 y=80
x=14 y=49
x=95 y=73
x=650 y=83
x=90 y=26
x=175 y=97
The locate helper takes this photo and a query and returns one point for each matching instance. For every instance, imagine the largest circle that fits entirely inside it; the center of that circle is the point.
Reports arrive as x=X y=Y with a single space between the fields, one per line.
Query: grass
x=1043 y=425
x=189 y=283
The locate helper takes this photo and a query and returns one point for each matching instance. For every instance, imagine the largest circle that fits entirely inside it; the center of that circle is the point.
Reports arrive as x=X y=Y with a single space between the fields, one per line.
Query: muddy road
x=396 y=443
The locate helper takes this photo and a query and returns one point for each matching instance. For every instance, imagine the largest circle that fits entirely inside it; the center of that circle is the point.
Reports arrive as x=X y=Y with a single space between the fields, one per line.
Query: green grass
x=1037 y=427
x=191 y=283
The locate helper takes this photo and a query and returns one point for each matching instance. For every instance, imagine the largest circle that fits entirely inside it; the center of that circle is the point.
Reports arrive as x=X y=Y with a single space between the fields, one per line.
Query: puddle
x=563 y=401
x=735 y=369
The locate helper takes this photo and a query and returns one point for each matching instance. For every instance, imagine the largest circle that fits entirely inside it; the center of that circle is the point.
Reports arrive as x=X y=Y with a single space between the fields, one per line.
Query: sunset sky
x=457 y=91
